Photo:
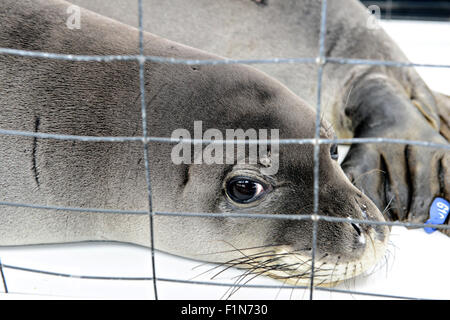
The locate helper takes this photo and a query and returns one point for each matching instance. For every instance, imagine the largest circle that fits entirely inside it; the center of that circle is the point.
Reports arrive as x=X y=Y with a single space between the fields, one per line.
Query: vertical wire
x=321 y=60
x=146 y=142
x=3 y=277
x=389 y=10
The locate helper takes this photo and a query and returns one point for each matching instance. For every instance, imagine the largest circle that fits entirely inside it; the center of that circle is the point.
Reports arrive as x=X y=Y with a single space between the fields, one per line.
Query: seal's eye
x=334 y=151
x=244 y=190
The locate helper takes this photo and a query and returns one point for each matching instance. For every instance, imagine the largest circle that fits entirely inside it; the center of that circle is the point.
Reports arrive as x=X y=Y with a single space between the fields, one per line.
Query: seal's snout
x=369 y=211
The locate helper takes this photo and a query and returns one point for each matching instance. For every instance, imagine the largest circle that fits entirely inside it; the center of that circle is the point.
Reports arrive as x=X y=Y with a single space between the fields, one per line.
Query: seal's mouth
x=294 y=267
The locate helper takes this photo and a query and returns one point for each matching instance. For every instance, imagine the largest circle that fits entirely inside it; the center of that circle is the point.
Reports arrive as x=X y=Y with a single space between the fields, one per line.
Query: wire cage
x=320 y=60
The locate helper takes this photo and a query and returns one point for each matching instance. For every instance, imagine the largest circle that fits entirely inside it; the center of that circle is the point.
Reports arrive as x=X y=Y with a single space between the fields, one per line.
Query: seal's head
x=279 y=182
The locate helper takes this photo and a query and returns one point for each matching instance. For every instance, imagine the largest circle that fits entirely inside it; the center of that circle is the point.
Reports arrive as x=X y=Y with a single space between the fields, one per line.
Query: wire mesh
x=321 y=60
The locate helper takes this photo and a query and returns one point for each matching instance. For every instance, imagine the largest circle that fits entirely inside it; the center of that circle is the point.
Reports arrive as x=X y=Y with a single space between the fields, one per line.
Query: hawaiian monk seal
x=102 y=99
x=358 y=100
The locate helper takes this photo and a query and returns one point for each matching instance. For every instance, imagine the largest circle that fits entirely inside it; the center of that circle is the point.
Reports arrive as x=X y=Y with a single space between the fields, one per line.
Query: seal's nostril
x=357 y=228
x=364 y=211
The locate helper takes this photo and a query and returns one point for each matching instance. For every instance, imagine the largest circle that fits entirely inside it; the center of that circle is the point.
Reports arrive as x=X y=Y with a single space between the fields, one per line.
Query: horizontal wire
x=223 y=61
x=147 y=139
x=42 y=135
x=280 y=216
x=157 y=59
x=210 y=283
x=396 y=64
x=312 y=217
x=75 y=209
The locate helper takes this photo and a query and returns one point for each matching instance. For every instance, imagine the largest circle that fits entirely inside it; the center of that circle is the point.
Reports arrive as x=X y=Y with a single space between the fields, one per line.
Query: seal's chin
x=294 y=267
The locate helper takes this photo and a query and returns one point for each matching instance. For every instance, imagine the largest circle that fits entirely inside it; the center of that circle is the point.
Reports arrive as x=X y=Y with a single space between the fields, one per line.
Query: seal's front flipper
x=362 y=165
x=401 y=179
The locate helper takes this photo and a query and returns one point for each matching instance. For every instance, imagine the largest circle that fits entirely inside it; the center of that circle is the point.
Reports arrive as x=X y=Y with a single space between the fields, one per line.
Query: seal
x=360 y=101
x=103 y=99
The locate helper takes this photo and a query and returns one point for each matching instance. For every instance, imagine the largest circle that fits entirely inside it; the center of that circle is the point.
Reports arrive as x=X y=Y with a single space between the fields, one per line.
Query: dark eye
x=245 y=190
x=334 y=151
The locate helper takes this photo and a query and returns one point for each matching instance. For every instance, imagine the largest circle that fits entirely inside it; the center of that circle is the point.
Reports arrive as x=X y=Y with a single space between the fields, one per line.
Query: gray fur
x=101 y=99
x=389 y=102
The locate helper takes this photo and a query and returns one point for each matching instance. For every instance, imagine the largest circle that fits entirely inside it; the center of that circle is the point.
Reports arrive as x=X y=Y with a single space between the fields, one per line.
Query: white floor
x=416 y=266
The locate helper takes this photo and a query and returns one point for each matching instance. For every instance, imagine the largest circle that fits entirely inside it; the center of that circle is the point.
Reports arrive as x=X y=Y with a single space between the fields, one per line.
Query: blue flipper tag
x=438 y=213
